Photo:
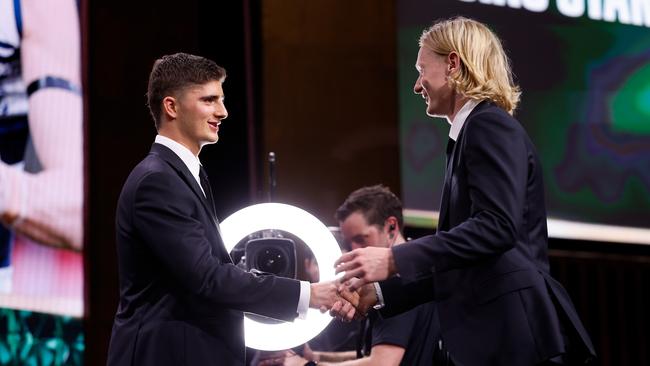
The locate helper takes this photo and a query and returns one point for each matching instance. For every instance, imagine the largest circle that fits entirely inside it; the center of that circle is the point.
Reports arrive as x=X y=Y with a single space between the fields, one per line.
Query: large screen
x=41 y=183
x=584 y=69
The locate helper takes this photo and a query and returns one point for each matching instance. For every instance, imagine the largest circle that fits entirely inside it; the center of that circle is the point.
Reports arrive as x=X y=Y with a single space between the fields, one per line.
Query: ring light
x=277 y=216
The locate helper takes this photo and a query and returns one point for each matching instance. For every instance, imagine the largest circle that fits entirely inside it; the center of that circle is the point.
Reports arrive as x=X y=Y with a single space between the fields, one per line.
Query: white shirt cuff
x=303 y=301
x=380 y=297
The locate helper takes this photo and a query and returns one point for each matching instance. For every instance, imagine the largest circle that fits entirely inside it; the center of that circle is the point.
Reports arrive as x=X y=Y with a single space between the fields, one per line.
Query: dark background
x=314 y=81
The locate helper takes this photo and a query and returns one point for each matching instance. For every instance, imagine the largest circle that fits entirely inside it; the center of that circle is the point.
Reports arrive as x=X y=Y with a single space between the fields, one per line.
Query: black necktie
x=450 y=149
x=444 y=201
x=205 y=184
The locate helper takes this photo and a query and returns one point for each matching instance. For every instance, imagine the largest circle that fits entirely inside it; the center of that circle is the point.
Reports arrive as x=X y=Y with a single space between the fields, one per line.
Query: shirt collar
x=191 y=161
x=461 y=117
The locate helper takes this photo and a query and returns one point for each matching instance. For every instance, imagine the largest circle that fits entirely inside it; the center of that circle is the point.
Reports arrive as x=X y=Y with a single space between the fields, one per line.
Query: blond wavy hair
x=485 y=69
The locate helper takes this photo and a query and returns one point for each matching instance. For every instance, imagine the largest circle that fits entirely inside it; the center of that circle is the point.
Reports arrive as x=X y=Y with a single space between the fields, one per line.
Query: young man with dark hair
x=377 y=203
x=181 y=297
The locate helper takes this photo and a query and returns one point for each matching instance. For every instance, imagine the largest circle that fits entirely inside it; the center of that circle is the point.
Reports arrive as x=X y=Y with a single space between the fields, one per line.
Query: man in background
x=372 y=217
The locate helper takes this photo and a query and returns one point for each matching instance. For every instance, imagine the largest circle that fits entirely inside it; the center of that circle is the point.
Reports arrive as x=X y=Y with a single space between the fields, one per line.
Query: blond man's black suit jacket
x=487 y=266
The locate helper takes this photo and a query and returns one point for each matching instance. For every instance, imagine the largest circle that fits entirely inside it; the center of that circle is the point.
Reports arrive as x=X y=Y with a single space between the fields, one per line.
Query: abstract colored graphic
x=585 y=105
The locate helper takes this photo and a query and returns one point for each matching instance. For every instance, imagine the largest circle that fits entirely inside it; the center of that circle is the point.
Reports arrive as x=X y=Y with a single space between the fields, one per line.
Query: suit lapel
x=172 y=159
x=184 y=173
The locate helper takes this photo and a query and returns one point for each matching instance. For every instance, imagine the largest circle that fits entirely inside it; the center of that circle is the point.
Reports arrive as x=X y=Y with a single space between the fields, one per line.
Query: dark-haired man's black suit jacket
x=487 y=266
x=181 y=298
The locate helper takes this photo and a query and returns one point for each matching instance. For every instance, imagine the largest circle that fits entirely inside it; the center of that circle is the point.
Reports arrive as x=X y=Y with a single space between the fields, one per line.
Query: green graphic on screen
x=585 y=105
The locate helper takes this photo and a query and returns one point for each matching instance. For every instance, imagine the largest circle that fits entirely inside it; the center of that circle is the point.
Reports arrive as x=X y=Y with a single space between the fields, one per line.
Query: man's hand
x=294 y=360
x=369 y=264
x=325 y=295
x=271 y=358
x=367 y=297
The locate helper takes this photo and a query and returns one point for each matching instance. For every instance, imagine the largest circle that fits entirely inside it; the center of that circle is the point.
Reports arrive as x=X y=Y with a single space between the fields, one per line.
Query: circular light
x=265 y=216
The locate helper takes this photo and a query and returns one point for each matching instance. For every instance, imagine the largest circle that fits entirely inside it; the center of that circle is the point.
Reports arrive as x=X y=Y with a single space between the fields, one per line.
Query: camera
x=274 y=255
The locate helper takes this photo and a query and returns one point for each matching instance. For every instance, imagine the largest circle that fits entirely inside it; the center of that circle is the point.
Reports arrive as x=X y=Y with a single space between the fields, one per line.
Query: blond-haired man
x=487 y=266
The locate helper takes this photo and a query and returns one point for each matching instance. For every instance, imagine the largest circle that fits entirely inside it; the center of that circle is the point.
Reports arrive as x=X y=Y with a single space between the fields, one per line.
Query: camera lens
x=272 y=255
x=272 y=260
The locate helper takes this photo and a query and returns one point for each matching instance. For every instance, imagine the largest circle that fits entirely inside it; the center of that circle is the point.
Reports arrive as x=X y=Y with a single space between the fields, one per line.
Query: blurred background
x=327 y=86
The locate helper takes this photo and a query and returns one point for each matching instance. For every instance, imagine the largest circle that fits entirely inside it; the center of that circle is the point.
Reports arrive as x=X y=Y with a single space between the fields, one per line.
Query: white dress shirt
x=459 y=121
x=191 y=161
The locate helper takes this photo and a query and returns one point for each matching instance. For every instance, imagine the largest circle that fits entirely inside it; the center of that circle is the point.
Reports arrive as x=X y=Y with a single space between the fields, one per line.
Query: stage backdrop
x=41 y=183
x=584 y=69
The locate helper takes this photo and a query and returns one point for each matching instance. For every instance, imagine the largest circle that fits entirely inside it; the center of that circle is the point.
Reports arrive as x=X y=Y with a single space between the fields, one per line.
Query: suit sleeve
x=162 y=216
x=494 y=155
x=401 y=295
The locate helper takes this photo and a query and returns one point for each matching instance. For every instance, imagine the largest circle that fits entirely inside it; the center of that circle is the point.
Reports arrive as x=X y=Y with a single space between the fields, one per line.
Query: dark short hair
x=173 y=73
x=376 y=203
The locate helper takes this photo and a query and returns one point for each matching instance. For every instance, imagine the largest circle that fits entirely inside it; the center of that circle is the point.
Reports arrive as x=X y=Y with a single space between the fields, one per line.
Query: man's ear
x=391 y=226
x=453 y=62
x=170 y=106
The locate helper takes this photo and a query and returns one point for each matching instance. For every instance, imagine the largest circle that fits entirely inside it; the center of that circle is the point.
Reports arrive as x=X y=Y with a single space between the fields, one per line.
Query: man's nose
x=417 y=88
x=221 y=112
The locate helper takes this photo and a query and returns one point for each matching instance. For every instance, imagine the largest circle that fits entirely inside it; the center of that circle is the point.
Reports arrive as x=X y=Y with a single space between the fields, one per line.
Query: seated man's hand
x=295 y=360
x=271 y=358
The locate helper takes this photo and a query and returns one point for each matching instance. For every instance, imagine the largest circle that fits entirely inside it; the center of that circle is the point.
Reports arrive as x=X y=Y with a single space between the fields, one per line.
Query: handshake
x=352 y=296
x=342 y=302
